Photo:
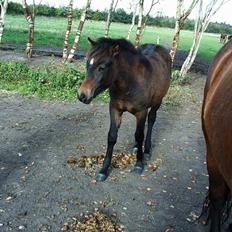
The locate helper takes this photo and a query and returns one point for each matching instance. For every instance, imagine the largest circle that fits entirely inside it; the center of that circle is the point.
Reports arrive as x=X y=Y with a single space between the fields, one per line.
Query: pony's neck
x=123 y=72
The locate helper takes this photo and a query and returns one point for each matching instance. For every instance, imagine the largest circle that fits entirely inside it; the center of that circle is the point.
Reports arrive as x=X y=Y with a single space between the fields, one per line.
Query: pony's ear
x=91 y=42
x=115 y=50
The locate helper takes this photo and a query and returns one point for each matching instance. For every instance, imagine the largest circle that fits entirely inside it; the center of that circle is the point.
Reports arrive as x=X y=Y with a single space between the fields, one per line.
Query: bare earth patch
x=51 y=150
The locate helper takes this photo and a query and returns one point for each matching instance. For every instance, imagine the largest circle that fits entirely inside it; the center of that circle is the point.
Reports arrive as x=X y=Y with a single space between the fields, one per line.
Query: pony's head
x=101 y=58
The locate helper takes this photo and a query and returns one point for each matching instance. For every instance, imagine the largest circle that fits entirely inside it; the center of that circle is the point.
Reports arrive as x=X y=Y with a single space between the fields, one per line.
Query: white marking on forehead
x=91 y=61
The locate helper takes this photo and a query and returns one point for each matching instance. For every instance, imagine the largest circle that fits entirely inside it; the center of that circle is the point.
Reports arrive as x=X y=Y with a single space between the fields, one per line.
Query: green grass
x=53 y=82
x=49 y=31
x=61 y=82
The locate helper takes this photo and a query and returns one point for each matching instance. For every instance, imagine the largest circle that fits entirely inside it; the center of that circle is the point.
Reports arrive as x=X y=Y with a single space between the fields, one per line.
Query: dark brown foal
x=137 y=80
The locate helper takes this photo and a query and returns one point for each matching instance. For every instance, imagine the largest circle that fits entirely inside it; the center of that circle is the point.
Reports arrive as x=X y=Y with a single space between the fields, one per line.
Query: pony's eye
x=101 y=68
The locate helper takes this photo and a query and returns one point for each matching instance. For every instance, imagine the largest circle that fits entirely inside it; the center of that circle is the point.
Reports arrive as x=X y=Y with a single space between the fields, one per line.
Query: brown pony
x=217 y=128
x=137 y=80
x=223 y=38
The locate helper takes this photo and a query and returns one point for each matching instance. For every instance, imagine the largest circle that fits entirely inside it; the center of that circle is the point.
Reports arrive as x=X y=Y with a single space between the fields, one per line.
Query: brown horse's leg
x=151 y=121
x=139 y=137
x=115 y=121
x=218 y=194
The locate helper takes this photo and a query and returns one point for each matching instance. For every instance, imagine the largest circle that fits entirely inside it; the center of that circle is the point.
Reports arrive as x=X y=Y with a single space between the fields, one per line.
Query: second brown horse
x=137 y=80
x=217 y=127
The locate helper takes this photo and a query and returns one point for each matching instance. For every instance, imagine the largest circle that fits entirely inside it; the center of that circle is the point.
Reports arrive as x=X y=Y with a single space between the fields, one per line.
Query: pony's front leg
x=139 y=137
x=115 y=121
x=151 y=121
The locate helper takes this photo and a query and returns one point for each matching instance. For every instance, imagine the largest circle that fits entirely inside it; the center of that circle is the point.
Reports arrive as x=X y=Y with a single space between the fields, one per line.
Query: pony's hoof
x=135 y=150
x=138 y=170
x=101 y=177
x=146 y=156
x=229 y=228
x=203 y=219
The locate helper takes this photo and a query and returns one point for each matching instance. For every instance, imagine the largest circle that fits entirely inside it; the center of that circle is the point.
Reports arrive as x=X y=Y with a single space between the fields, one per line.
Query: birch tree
x=153 y=3
x=3 y=8
x=109 y=17
x=79 y=31
x=140 y=21
x=201 y=24
x=108 y=21
x=30 y=17
x=181 y=16
x=68 y=31
x=133 y=20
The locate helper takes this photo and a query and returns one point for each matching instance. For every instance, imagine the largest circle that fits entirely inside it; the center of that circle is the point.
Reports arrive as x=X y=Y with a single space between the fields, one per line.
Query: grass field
x=49 y=31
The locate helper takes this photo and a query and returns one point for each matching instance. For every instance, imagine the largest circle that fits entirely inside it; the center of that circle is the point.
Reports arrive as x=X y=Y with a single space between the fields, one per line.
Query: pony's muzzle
x=84 y=93
x=85 y=98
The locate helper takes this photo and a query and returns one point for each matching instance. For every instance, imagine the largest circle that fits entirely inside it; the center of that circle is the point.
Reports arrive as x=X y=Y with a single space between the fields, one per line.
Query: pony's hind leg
x=151 y=120
x=139 y=137
x=218 y=194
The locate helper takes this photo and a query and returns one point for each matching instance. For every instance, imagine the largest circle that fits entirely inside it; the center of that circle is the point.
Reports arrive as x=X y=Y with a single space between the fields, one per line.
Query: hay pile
x=120 y=161
x=93 y=222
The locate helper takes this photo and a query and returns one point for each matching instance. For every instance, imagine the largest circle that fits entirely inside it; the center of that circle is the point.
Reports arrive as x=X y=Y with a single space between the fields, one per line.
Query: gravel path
x=39 y=191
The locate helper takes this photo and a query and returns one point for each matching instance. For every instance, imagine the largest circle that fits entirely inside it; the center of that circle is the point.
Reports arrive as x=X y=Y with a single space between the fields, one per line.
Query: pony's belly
x=131 y=107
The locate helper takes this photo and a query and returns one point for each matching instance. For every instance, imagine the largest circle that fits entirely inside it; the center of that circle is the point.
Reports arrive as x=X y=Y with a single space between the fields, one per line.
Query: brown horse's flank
x=217 y=128
x=137 y=80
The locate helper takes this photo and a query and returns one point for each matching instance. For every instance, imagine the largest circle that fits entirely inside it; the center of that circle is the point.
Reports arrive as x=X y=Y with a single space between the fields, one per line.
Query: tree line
x=205 y=11
x=119 y=15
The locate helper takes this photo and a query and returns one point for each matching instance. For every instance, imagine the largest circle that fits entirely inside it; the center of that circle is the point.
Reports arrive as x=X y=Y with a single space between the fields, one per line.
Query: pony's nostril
x=82 y=97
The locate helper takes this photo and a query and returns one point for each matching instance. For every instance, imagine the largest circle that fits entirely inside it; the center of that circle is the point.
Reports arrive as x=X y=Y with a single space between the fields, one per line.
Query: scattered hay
x=121 y=161
x=154 y=165
x=93 y=222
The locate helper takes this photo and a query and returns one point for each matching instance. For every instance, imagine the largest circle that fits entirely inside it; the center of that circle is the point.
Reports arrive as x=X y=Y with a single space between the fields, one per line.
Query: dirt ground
x=39 y=191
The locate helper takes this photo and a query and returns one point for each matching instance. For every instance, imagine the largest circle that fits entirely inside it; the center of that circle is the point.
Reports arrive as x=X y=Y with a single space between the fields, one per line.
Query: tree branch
x=188 y=12
x=116 y=4
x=153 y=3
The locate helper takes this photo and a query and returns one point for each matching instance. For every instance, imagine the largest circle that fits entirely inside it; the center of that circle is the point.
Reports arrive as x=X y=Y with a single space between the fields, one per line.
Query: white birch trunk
x=139 y=27
x=108 y=21
x=30 y=20
x=132 y=21
x=79 y=31
x=68 y=31
x=177 y=29
x=181 y=16
x=201 y=24
x=3 y=4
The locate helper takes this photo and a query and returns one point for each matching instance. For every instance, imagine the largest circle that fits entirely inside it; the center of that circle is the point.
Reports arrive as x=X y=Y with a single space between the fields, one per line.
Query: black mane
x=106 y=43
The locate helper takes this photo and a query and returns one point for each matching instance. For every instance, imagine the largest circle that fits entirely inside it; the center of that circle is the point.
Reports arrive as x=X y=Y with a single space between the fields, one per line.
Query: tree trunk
x=139 y=27
x=158 y=40
x=175 y=41
x=79 y=31
x=201 y=25
x=191 y=56
x=3 y=6
x=178 y=27
x=68 y=31
x=30 y=20
x=181 y=16
x=108 y=21
x=132 y=21
x=116 y=4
